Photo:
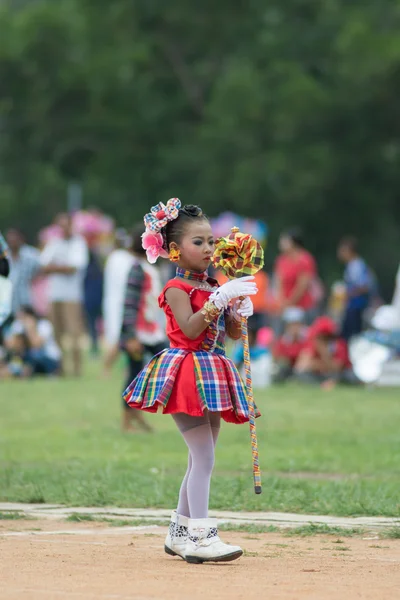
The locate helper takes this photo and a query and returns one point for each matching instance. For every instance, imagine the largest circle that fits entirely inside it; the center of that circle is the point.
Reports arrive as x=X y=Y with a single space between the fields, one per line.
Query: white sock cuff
x=202 y=524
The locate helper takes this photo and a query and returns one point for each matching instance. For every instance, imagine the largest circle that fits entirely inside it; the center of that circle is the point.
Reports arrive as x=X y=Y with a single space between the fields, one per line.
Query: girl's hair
x=136 y=240
x=174 y=230
x=296 y=235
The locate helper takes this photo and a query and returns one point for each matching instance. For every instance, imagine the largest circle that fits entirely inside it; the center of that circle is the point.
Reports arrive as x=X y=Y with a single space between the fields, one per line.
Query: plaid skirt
x=180 y=381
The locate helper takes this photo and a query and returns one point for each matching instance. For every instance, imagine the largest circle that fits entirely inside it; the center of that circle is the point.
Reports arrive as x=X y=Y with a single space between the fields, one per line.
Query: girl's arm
x=191 y=324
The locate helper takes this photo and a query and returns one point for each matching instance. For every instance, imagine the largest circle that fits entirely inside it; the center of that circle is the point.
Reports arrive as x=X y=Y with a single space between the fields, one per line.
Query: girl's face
x=197 y=246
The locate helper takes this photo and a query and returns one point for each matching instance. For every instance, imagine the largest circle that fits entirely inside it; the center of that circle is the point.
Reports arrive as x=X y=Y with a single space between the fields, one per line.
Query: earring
x=174 y=254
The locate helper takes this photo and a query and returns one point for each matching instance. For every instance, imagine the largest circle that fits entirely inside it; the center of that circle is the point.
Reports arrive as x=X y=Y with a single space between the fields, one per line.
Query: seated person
x=13 y=364
x=287 y=348
x=41 y=352
x=325 y=358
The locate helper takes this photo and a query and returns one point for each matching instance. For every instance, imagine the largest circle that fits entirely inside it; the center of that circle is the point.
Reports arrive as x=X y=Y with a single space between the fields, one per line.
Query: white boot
x=175 y=542
x=204 y=545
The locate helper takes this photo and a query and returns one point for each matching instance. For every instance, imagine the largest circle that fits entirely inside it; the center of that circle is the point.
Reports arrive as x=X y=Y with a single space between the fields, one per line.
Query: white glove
x=244 y=286
x=243 y=308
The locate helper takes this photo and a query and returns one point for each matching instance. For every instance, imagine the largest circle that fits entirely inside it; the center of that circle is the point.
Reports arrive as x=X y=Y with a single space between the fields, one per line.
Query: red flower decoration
x=153 y=244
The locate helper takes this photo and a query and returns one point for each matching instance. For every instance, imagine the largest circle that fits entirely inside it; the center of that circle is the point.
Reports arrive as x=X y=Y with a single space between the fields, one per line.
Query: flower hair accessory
x=153 y=244
x=161 y=214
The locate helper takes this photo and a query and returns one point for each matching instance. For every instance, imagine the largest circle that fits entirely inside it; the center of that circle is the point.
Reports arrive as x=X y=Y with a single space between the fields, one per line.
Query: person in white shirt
x=65 y=261
x=116 y=271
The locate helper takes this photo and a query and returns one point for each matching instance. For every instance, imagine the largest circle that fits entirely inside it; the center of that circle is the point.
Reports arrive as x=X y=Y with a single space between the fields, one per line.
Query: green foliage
x=321 y=453
x=288 y=111
x=392 y=533
x=80 y=517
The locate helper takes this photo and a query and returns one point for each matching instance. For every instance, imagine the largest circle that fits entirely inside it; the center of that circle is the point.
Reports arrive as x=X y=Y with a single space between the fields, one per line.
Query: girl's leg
x=195 y=489
x=183 y=504
x=215 y=422
x=196 y=539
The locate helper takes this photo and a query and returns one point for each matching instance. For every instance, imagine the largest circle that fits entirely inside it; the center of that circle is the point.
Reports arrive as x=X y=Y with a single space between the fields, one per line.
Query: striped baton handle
x=252 y=416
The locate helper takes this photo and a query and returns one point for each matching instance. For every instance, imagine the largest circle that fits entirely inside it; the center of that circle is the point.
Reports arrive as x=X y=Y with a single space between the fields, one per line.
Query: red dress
x=192 y=375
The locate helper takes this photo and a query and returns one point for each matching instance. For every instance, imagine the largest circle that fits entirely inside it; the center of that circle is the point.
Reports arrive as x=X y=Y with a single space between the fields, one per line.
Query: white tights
x=200 y=435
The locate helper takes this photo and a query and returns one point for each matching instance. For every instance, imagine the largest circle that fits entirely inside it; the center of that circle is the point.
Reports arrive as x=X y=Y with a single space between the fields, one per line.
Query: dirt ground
x=45 y=560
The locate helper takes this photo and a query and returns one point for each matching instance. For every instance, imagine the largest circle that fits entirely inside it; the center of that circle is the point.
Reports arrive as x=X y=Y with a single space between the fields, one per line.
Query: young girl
x=193 y=380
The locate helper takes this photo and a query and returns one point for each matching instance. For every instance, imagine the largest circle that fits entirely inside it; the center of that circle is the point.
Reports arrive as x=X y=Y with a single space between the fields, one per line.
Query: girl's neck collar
x=191 y=275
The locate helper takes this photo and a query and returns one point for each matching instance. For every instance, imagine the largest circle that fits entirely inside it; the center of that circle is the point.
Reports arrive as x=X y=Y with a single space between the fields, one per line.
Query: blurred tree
x=286 y=111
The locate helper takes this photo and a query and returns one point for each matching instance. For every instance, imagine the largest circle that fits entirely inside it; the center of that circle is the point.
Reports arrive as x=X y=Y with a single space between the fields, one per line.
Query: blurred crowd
x=66 y=291
x=302 y=331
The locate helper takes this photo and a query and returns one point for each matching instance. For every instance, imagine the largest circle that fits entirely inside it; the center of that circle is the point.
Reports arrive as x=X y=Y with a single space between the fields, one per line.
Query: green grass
x=80 y=518
x=303 y=531
x=315 y=529
x=12 y=516
x=393 y=533
x=249 y=528
x=84 y=517
x=136 y=523
x=329 y=453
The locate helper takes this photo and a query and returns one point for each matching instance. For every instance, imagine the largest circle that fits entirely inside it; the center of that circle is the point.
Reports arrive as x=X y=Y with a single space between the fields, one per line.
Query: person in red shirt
x=324 y=358
x=296 y=275
x=287 y=348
